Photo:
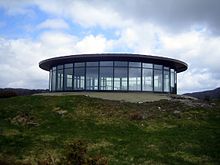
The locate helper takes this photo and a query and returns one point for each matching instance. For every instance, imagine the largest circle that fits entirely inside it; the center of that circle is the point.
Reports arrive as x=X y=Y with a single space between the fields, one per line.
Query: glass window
x=50 y=79
x=106 y=63
x=147 y=80
x=106 y=78
x=158 y=66
x=68 y=65
x=172 y=77
x=147 y=65
x=60 y=67
x=92 y=64
x=121 y=63
x=166 y=81
x=79 y=78
x=53 y=79
x=134 y=64
x=135 y=79
x=158 y=80
x=120 y=78
x=175 y=80
x=68 y=78
x=92 y=78
x=166 y=68
x=79 y=64
x=60 y=80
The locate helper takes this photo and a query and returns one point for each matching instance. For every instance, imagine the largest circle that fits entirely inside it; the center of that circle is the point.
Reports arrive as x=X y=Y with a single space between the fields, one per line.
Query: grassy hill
x=83 y=130
x=206 y=95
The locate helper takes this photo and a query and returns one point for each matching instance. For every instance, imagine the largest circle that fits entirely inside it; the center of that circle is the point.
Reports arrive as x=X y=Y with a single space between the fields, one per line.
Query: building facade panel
x=112 y=76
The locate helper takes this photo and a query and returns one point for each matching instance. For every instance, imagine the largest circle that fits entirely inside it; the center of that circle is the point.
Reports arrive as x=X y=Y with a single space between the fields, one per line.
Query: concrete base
x=133 y=97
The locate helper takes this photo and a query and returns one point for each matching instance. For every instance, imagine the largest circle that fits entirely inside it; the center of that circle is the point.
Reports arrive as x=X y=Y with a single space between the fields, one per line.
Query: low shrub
x=136 y=116
x=77 y=154
x=7 y=94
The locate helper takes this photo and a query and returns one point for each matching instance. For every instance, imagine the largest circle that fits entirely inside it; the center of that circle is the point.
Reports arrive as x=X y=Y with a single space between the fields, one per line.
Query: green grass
x=31 y=129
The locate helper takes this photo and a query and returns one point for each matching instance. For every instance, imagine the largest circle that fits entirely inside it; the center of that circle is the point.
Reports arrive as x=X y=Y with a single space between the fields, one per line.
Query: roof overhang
x=178 y=65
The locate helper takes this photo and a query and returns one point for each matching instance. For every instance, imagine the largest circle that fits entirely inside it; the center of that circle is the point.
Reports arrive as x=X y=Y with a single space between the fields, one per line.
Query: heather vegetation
x=59 y=130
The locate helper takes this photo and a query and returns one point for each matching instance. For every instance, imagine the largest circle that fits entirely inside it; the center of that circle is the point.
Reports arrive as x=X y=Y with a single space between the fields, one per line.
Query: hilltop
x=84 y=130
x=206 y=95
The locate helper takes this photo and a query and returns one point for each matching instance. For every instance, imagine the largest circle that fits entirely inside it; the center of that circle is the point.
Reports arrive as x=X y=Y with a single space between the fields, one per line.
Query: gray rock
x=176 y=112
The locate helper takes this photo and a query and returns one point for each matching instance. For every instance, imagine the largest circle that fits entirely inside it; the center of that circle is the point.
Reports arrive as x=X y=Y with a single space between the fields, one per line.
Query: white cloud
x=14 y=7
x=93 y=44
x=84 y=13
x=201 y=52
x=20 y=63
x=19 y=58
x=196 y=80
x=53 y=24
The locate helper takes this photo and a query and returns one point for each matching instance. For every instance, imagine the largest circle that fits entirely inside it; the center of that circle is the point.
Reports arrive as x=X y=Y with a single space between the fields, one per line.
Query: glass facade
x=59 y=82
x=134 y=76
x=92 y=75
x=113 y=76
x=147 y=77
x=68 y=77
x=79 y=76
x=106 y=75
x=120 y=75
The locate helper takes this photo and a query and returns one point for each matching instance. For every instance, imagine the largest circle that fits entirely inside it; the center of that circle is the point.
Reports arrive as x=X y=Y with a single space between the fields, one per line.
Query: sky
x=34 y=30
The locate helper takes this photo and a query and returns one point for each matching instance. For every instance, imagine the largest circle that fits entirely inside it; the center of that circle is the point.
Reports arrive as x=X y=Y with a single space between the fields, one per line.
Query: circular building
x=113 y=72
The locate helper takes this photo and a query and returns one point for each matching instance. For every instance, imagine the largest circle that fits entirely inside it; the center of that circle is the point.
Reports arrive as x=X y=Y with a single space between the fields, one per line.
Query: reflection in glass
x=147 y=80
x=60 y=67
x=121 y=63
x=54 y=79
x=135 y=79
x=68 y=75
x=60 y=79
x=158 y=80
x=106 y=78
x=113 y=75
x=68 y=65
x=147 y=65
x=79 y=64
x=134 y=64
x=158 y=66
x=172 y=79
x=175 y=78
x=50 y=80
x=166 y=81
x=92 y=64
x=92 y=78
x=106 y=63
x=79 y=78
x=120 y=78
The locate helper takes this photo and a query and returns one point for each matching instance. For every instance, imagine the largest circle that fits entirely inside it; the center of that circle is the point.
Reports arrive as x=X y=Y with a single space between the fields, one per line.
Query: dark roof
x=178 y=65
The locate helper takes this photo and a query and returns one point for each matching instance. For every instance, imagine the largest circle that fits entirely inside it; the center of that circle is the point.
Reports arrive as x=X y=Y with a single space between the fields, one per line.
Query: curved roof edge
x=178 y=65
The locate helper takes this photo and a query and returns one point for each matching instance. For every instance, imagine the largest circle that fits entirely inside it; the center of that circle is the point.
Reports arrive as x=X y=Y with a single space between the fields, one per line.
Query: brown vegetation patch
x=24 y=119
x=59 y=111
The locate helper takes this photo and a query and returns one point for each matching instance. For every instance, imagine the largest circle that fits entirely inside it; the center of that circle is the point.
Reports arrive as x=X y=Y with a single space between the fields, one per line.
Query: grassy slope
x=162 y=137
